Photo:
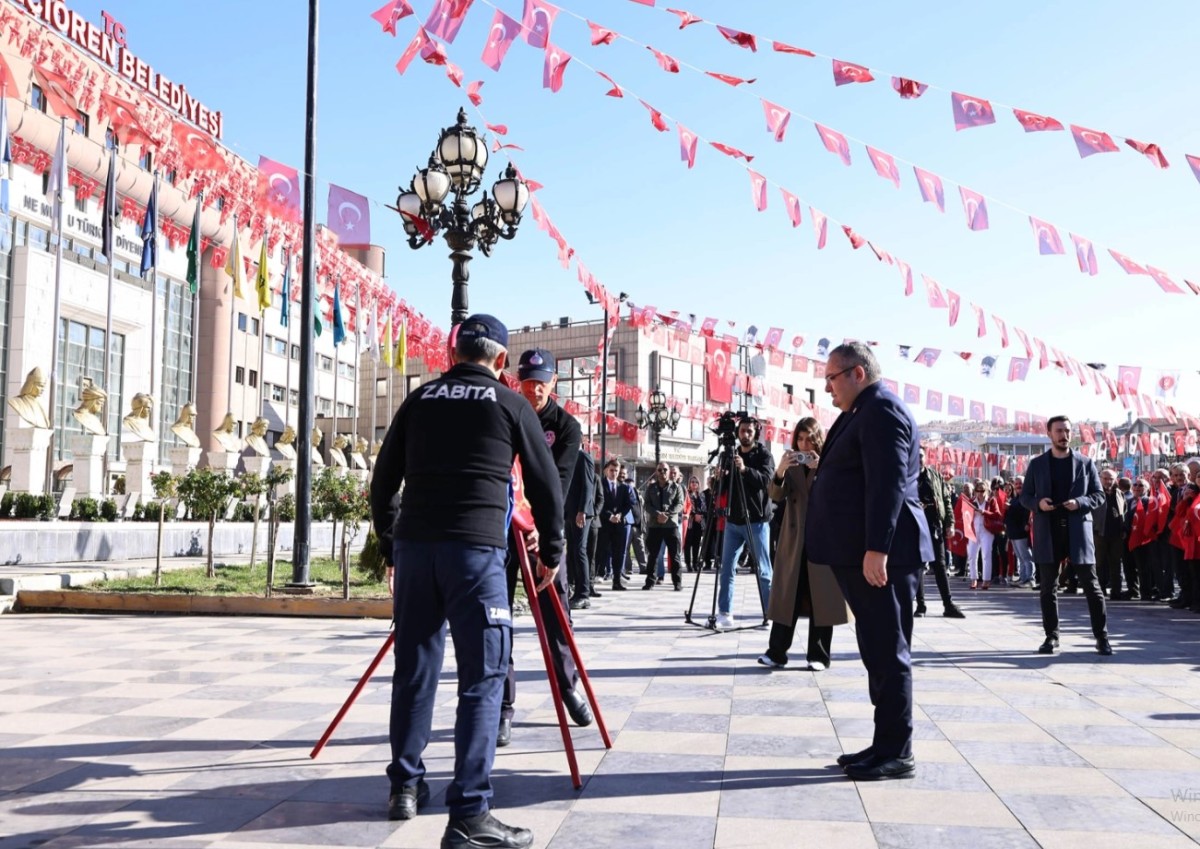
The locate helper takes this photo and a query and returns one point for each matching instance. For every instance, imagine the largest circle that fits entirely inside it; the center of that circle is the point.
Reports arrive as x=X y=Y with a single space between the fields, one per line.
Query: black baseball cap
x=484 y=326
x=536 y=364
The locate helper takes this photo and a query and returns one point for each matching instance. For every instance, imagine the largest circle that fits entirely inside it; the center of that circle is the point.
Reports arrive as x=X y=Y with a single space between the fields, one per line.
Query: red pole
x=362 y=682
x=556 y=602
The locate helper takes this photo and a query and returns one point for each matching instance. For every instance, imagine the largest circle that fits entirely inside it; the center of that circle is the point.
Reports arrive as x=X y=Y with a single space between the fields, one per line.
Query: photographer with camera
x=752 y=468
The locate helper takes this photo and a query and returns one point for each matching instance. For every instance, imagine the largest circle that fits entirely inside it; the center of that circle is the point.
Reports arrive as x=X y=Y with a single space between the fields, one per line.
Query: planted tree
x=343 y=499
x=165 y=485
x=251 y=488
x=206 y=493
x=278 y=476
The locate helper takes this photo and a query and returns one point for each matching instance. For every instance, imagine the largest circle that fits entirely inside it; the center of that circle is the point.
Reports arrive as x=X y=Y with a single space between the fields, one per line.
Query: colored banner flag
x=385 y=345
x=931 y=188
x=262 y=279
x=738 y=38
x=846 y=73
x=1048 y=240
x=193 y=251
x=908 y=89
x=402 y=349
x=820 y=226
x=391 y=12
x=198 y=150
x=668 y=63
x=954 y=405
x=503 y=31
x=601 y=35
x=555 y=66
x=975 y=208
x=349 y=217
x=933 y=292
x=1085 y=254
x=1035 y=123
x=446 y=18
x=792 y=204
x=1003 y=328
x=56 y=90
x=885 y=165
x=718 y=373
x=537 y=21
x=285 y=289
x=687 y=145
x=970 y=111
x=834 y=142
x=1088 y=142
x=108 y=222
x=928 y=356
x=1018 y=368
x=758 y=189
x=279 y=188
x=1128 y=378
x=149 y=231
x=339 y=321
x=933 y=400
x=953 y=303
x=777 y=119
x=122 y=117
x=234 y=266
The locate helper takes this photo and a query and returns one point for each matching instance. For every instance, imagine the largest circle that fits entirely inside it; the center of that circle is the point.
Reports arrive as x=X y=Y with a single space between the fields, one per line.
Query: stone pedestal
x=183 y=459
x=29 y=446
x=87 y=450
x=223 y=461
x=140 y=458
x=288 y=488
x=257 y=464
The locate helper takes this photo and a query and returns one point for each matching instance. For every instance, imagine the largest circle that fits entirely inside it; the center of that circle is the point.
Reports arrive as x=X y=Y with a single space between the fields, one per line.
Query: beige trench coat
x=824 y=601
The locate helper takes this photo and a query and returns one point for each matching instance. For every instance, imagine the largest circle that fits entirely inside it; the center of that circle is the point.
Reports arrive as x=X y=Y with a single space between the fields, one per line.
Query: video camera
x=727 y=426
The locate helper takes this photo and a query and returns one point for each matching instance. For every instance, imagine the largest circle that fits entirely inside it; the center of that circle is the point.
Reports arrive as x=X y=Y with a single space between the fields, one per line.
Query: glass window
x=81 y=352
x=276 y=392
x=253 y=379
x=294 y=398
x=324 y=407
x=685 y=382
x=579 y=381
x=253 y=326
x=325 y=363
x=239 y=374
x=381 y=387
x=146 y=160
x=37 y=98
x=110 y=139
x=82 y=123
x=295 y=352
x=243 y=321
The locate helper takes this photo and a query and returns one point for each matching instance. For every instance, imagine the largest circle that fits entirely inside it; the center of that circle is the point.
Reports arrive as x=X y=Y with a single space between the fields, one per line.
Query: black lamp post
x=456 y=167
x=657 y=419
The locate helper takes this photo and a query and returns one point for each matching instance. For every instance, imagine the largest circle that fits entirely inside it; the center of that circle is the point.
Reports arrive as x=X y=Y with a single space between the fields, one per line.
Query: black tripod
x=727 y=481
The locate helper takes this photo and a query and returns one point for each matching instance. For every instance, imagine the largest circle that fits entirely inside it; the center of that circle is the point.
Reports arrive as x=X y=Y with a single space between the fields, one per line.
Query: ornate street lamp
x=657 y=419
x=456 y=168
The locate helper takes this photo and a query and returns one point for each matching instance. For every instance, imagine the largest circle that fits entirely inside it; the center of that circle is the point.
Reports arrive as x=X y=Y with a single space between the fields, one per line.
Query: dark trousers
x=820 y=637
x=1192 y=590
x=1000 y=556
x=1085 y=575
x=1108 y=562
x=938 y=564
x=593 y=540
x=612 y=550
x=884 y=632
x=1166 y=566
x=960 y=564
x=1144 y=555
x=463 y=584
x=578 y=573
x=565 y=673
x=1129 y=566
x=657 y=538
x=691 y=545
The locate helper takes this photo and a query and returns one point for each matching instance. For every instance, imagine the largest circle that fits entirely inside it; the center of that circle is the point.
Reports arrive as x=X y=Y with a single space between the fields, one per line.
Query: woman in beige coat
x=799 y=588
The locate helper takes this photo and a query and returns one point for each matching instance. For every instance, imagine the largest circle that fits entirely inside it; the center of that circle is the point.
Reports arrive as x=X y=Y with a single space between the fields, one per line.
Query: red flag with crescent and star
x=279 y=188
x=1035 y=123
x=122 y=116
x=56 y=89
x=502 y=33
x=885 y=165
x=975 y=207
x=536 y=22
x=970 y=111
x=834 y=142
x=200 y=152
x=349 y=217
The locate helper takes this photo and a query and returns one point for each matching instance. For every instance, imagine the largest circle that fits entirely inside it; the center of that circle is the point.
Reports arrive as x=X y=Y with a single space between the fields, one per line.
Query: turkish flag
x=1018 y=368
x=1003 y=328
x=891 y=386
x=975 y=207
x=1024 y=341
x=777 y=119
x=501 y=34
x=600 y=35
x=473 y=94
x=1151 y=151
x=1043 y=360
x=708 y=327
x=931 y=188
x=1048 y=239
x=856 y=241
x=56 y=89
x=928 y=356
x=1194 y=162
x=1035 y=123
x=537 y=21
x=629 y=432
x=1092 y=141
x=349 y=217
x=686 y=19
x=1087 y=434
x=780 y=47
x=773 y=338
x=729 y=150
x=615 y=91
x=1164 y=281
x=999 y=416
x=1086 y=255
x=1022 y=420
x=667 y=63
x=834 y=142
x=738 y=38
x=279 y=189
x=933 y=292
x=656 y=118
x=980 y=321
x=775 y=358
x=1128 y=378
x=799 y=362
x=885 y=165
x=719 y=375
x=970 y=111
x=912 y=394
x=758 y=189
x=906 y=275
x=1129 y=266
x=687 y=145
x=954 y=405
x=1110 y=442
x=933 y=400
x=420 y=41
x=390 y=12
x=953 y=302
x=908 y=89
x=820 y=226
x=792 y=204
x=122 y=116
x=847 y=72
x=978 y=411
x=446 y=18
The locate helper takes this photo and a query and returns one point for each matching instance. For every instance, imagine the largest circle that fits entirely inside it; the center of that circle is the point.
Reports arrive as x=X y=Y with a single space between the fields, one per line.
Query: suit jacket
x=621 y=501
x=669 y=500
x=580 y=495
x=864 y=497
x=1085 y=489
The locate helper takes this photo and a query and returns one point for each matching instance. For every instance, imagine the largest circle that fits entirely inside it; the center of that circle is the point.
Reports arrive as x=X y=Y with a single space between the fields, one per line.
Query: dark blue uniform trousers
x=436 y=583
x=883 y=626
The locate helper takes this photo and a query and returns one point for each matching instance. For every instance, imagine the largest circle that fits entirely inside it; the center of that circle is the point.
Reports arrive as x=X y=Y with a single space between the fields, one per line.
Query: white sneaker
x=765 y=660
x=817 y=666
x=724 y=621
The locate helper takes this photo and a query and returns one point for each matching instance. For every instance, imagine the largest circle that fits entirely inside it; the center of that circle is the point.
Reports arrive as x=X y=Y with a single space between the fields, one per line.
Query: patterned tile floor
x=163 y=731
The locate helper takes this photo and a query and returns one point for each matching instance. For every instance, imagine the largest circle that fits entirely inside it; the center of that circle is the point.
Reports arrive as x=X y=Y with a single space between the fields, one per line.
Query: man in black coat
x=579 y=511
x=616 y=520
x=865 y=520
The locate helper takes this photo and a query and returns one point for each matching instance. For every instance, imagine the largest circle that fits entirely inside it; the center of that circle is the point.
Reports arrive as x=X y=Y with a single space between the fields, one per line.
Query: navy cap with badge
x=536 y=364
x=483 y=326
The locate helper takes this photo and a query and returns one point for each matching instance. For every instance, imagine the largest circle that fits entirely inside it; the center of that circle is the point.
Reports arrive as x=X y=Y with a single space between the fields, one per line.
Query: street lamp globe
x=463 y=153
x=432 y=184
x=511 y=195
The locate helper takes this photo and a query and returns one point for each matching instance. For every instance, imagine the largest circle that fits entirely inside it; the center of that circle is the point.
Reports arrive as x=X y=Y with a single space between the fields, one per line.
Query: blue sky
x=691 y=240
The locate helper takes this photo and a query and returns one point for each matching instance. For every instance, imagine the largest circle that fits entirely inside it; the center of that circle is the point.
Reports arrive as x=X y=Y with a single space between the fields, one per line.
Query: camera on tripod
x=727 y=426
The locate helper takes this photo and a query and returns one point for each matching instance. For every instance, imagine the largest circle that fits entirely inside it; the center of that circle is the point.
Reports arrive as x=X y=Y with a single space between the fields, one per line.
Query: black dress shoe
x=1103 y=646
x=619 y=587
x=577 y=708
x=593 y=594
x=952 y=611
x=484 y=832
x=920 y=611
x=1048 y=647
x=580 y=602
x=854 y=757
x=504 y=734
x=649 y=585
x=882 y=769
x=404 y=805
x=678 y=586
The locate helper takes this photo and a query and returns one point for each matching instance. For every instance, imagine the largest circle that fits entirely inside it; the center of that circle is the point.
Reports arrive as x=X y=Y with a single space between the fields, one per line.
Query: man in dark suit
x=578 y=516
x=1062 y=488
x=616 y=520
x=865 y=520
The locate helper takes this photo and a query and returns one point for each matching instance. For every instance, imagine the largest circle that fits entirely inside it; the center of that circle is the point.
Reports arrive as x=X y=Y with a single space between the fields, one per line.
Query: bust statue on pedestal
x=257 y=440
x=286 y=444
x=138 y=422
x=337 y=452
x=26 y=403
x=317 y=436
x=226 y=435
x=185 y=426
x=91 y=408
x=357 y=456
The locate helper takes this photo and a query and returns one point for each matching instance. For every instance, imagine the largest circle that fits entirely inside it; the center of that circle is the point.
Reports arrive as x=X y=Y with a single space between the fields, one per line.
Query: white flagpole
x=232 y=314
x=358 y=314
x=333 y=433
x=155 y=350
x=60 y=162
x=287 y=353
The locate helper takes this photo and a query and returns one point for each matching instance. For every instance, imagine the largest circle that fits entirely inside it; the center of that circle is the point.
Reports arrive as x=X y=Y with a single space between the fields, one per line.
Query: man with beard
x=749 y=514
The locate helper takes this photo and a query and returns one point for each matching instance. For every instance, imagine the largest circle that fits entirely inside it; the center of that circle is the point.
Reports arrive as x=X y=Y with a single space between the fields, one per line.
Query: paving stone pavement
x=176 y=732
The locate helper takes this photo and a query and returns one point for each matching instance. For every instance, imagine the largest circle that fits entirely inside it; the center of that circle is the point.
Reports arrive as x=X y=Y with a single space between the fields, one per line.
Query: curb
x=178 y=604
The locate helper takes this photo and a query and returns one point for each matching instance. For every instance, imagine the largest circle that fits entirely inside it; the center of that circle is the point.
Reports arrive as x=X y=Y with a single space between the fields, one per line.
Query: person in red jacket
x=1141 y=533
x=1177 y=526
